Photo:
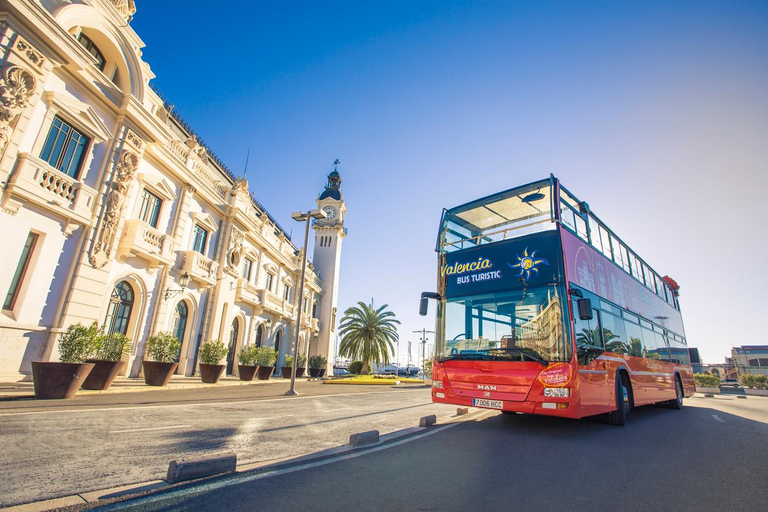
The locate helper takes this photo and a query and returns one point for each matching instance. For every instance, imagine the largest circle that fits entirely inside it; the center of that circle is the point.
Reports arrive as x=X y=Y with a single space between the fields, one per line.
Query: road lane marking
x=147 y=429
x=212 y=486
x=717 y=418
x=197 y=404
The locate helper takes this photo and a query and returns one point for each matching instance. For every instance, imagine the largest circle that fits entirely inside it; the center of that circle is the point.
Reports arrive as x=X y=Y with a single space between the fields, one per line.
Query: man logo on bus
x=527 y=264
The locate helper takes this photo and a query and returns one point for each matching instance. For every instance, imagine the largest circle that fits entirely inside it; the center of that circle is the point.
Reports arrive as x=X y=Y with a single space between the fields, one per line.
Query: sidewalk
x=25 y=390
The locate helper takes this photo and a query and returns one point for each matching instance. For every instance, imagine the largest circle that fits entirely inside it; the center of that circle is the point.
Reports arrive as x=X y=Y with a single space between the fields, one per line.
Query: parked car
x=726 y=383
x=340 y=371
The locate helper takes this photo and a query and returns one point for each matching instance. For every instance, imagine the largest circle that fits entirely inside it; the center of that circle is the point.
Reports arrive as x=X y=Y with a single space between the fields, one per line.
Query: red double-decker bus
x=542 y=309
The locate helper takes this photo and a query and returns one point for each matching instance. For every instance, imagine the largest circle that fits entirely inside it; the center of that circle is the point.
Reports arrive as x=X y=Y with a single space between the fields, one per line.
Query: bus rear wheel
x=677 y=402
x=623 y=404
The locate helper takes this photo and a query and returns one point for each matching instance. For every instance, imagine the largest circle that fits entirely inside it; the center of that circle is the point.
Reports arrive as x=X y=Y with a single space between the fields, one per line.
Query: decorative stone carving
x=134 y=140
x=125 y=172
x=127 y=8
x=235 y=255
x=29 y=52
x=16 y=88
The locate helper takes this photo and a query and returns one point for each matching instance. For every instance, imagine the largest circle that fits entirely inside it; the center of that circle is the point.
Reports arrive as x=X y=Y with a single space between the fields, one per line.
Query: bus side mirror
x=424 y=306
x=585 y=309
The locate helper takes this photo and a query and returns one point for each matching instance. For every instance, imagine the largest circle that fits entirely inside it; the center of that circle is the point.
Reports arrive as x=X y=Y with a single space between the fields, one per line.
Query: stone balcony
x=142 y=240
x=247 y=292
x=315 y=325
x=277 y=305
x=200 y=268
x=35 y=182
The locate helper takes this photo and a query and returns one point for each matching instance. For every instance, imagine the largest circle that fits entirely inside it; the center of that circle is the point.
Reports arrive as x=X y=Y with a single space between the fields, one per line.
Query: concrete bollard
x=201 y=467
x=428 y=421
x=741 y=396
x=460 y=411
x=362 y=438
x=709 y=396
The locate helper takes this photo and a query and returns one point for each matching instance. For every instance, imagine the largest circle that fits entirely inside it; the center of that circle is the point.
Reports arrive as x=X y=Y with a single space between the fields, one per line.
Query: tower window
x=89 y=45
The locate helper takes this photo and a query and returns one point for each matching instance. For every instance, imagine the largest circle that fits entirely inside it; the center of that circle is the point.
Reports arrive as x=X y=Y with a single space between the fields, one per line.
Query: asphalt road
x=709 y=456
x=56 y=448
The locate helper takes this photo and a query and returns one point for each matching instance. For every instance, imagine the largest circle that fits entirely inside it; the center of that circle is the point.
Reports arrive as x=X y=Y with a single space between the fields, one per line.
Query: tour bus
x=542 y=309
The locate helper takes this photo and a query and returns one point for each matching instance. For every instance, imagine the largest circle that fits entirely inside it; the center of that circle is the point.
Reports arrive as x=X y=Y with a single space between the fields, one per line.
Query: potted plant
x=62 y=379
x=247 y=359
x=212 y=353
x=107 y=360
x=162 y=350
x=302 y=365
x=287 y=366
x=316 y=363
x=266 y=360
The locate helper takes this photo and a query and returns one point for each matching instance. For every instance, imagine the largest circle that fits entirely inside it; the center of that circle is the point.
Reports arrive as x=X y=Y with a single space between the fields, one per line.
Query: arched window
x=259 y=335
x=180 y=321
x=120 y=307
x=234 y=333
x=89 y=45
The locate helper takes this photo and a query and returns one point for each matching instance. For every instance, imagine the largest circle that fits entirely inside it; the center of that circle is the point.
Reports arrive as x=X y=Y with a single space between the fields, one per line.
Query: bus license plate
x=489 y=404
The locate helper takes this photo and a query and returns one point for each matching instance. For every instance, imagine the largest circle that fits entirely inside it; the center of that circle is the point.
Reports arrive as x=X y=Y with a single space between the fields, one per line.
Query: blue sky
x=656 y=113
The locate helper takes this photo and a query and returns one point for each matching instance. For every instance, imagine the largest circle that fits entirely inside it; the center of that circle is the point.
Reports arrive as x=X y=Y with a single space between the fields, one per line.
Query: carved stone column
x=104 y=241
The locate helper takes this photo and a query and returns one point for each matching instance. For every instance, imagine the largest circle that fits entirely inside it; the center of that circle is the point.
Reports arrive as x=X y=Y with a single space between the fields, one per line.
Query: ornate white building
x=110 y=203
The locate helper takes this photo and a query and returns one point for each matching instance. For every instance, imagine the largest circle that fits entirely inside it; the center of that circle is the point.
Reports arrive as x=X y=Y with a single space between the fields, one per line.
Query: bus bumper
x=569 y=409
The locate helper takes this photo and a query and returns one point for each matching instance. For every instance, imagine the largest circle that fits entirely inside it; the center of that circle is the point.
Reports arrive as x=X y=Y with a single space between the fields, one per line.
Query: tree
x=368 y=334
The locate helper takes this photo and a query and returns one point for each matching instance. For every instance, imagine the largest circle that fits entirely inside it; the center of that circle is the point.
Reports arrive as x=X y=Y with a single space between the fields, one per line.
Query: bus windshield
x=521 y=325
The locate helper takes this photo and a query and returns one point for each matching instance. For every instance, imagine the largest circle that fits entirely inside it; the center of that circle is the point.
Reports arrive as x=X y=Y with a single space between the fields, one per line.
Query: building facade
x=109 y=203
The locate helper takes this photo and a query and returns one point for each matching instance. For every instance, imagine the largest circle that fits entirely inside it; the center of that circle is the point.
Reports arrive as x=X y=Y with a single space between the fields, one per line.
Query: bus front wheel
x=677 y=402
x=619 y=416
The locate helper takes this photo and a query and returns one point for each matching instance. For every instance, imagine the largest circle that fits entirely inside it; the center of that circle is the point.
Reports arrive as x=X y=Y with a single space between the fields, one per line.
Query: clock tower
x=329 y=233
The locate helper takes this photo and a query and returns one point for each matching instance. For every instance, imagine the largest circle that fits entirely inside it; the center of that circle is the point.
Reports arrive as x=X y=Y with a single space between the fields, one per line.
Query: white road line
x=212 y=486
x=147 y=429
x=717 y=418
x=199 y=404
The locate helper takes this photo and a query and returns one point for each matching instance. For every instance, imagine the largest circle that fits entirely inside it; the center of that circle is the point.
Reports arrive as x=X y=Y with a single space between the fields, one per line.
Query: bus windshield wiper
x=463 y=357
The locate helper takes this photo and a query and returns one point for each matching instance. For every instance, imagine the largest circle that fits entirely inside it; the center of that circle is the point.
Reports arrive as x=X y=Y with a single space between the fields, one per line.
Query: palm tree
x=368 y=334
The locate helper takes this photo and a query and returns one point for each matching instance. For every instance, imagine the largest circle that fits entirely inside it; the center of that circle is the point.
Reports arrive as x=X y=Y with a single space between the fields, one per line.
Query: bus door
x=594 y=390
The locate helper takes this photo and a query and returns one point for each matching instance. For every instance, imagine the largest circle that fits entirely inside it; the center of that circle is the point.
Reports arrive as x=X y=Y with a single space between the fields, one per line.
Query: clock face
x=330 y=211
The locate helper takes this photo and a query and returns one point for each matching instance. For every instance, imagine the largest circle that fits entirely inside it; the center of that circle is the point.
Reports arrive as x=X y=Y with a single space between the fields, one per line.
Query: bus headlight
x=437 y=384
x=557 y=392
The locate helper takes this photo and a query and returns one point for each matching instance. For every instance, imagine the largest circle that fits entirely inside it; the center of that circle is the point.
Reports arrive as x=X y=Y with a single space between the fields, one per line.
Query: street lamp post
x=301 y=217
x=423 y=333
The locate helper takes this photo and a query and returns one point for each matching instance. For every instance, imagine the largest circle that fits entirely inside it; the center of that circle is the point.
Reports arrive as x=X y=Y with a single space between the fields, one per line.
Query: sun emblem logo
x=527 y=264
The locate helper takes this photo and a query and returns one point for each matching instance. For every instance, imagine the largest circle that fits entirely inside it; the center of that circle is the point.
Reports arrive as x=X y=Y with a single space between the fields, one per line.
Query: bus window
x=581 y=227
x=594 y=234
x=635 y=339
x=566 y=216
x=650 y=282
x=616 y=251
x=614 y=334
x=637 y=269
x=589 y=340
x=606 y=241
x=624 y=257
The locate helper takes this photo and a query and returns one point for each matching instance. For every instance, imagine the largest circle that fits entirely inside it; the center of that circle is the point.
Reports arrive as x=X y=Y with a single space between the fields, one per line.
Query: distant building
x=751 y=358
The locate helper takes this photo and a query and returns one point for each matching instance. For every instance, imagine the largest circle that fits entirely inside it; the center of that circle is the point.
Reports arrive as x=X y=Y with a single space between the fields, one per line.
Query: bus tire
x=677 y=402
x=623 y=401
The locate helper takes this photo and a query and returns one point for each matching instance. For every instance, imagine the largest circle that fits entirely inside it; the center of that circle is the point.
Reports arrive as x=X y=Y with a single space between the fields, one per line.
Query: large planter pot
x=211 y=373
x=286 y=371
x=708 y=391
x=246 y=372
x=756 y=392
x=158 y=374
x=300 y=372
x=314 y=372
x=58 y=380
x=322 y=372
x=264 y=372
x=103 y=374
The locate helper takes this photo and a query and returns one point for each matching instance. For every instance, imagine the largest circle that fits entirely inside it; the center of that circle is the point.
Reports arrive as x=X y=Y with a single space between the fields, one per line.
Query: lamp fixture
x=183 y=283
x=530 y=198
